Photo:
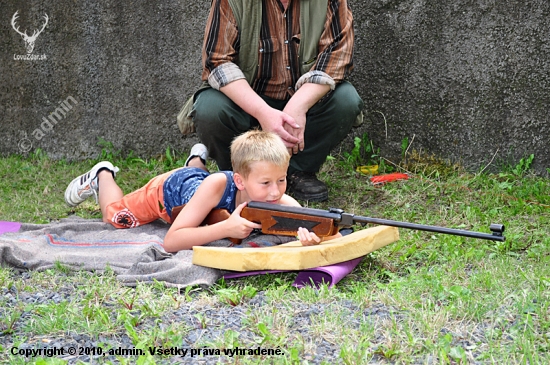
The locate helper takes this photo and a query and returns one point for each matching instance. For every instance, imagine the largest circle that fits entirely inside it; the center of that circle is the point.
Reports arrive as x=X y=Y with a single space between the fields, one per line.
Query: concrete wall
x=465 y=78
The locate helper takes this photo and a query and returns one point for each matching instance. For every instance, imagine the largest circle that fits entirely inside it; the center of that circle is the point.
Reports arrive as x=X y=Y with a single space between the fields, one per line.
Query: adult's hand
x=280 y=123
x=298 y=106
x=298 y=113
x=270 y=119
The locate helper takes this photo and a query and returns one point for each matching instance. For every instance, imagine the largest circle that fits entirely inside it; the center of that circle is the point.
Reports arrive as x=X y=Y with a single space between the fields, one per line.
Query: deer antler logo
x=29 y=41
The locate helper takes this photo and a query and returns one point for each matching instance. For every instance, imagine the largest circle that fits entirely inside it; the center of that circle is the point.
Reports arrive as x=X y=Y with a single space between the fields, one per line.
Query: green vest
x=248 y=14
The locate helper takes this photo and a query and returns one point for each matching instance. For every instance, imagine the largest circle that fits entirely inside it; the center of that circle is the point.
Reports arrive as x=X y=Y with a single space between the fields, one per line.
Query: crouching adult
x=278 y=65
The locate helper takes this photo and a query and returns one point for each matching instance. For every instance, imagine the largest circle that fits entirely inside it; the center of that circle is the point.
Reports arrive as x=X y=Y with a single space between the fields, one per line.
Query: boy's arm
x=186 y=231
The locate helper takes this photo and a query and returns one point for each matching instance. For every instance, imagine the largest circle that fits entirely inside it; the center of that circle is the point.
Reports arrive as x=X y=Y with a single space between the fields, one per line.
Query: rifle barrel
x=497 y=229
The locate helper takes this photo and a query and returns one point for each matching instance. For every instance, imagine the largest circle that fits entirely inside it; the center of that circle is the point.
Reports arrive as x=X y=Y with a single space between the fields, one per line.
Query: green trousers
x=218 y=120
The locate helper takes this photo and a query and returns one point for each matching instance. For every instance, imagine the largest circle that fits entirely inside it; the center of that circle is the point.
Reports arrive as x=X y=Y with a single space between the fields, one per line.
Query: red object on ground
x=382 y=179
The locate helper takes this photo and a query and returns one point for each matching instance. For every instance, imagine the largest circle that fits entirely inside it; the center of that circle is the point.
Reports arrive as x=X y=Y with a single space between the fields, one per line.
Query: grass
x=425 y=299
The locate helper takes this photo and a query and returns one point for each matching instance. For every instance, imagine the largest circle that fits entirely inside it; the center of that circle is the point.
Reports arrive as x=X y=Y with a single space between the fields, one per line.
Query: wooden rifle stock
x=282 y=223
x=287 y=223
x=274 y=222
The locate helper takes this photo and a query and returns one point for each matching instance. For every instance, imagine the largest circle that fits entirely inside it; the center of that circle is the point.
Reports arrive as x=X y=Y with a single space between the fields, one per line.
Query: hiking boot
x=305 y=186
x=86 y=185
x=199 y=150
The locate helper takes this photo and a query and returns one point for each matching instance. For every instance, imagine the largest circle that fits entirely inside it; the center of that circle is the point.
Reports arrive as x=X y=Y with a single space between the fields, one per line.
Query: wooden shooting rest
x=294 y=256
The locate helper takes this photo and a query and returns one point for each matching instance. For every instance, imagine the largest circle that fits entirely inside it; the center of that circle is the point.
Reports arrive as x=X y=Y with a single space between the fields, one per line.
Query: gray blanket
x=135 y=255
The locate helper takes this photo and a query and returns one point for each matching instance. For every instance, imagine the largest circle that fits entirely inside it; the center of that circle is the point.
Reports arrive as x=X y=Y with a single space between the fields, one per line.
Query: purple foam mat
x=9 y=226
x=315 y=277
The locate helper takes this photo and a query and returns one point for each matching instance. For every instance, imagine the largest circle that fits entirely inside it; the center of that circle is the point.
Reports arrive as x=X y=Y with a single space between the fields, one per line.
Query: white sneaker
x=198 y=150
x=86 y=185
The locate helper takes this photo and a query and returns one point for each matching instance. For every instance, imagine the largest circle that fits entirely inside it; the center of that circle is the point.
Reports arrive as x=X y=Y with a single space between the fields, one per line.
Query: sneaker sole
x=68 y=194
x=94 y=171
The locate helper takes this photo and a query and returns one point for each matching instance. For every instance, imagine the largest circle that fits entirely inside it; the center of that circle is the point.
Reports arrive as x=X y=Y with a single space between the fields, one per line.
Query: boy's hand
x=237 y=226
x=308 y=238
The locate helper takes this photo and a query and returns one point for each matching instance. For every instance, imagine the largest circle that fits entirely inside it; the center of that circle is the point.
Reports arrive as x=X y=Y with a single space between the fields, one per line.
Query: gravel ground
x=320 y=331
x=204 y=325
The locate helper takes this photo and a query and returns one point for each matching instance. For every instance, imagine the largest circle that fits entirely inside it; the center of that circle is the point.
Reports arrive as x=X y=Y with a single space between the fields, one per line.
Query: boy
x=260 y=161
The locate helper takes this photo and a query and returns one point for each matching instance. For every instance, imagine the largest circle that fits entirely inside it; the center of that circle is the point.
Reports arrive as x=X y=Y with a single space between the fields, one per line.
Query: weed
x=172 y=160
x=187 y=293
x=129 y=319
x=108 y=151
x=38 y=155
x=10 y=319
x=202 y=320
x=404 y=147
x=362 y=153
x=357 y=152
x=235 y=297
x=64 y=269
x=430 y=165
x=357 y=353
x=388 y=351
x=128 y=304
x=268 y=338
x=523 y=166
x=169 y=156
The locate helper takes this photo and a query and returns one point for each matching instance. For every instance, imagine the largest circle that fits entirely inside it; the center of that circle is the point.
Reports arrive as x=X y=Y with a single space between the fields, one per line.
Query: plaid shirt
x=278 y=72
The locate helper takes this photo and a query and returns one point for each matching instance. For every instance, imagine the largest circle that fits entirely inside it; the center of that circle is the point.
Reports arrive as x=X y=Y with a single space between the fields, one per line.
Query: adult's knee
x=211 y=107
x=346 y=100
x=344 y=105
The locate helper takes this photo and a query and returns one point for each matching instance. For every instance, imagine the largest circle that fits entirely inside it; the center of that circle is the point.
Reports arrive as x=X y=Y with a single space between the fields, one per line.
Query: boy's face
x=266 y=182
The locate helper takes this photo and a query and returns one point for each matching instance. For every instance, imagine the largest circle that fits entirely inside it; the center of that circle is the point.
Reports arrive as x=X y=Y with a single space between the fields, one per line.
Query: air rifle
x=285 y=220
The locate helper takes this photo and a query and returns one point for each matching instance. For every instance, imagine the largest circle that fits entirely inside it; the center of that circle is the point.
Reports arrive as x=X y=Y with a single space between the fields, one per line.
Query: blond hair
x=257 y=145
